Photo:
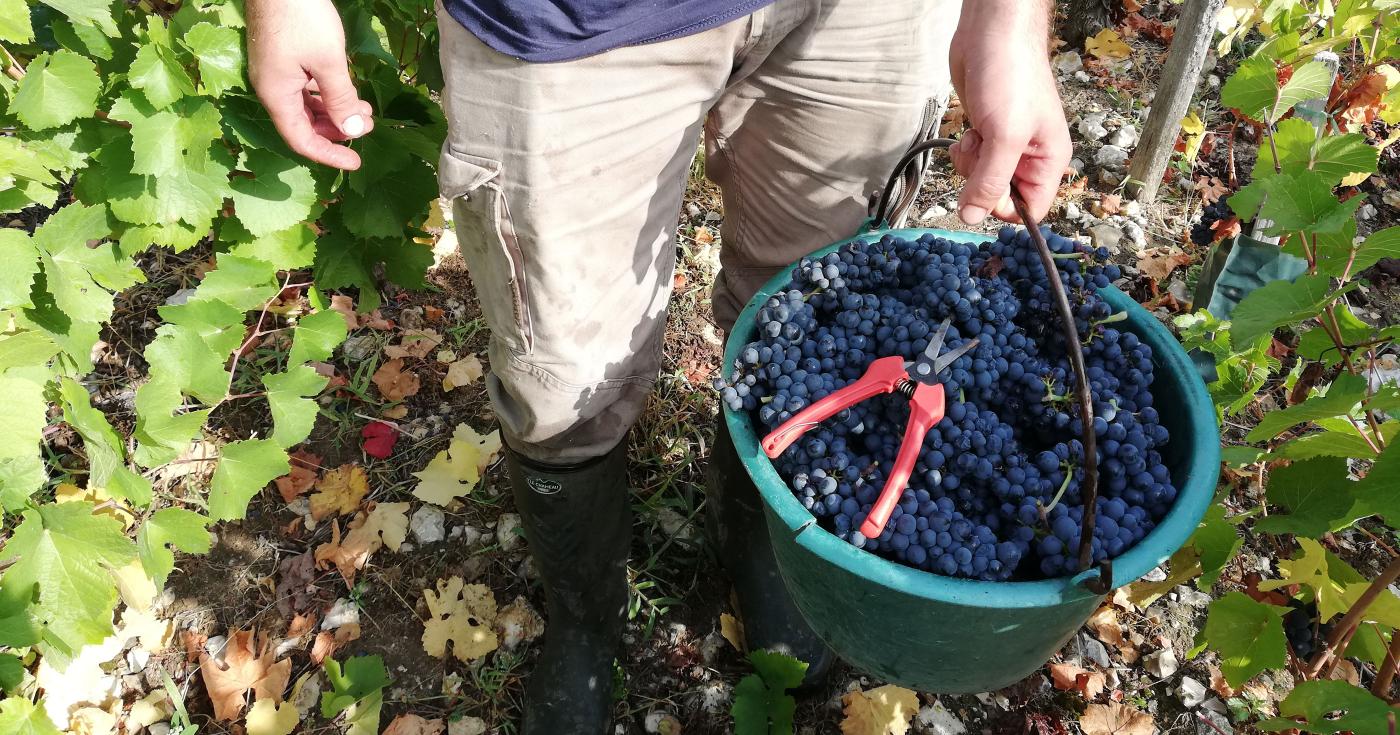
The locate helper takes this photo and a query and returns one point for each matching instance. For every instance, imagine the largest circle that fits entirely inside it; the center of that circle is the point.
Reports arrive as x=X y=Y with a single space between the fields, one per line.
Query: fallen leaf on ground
x=732 y=630
x=1107 y=45
x=883 y=711
x=1104 y=623
x=1362 y=102
x=106 y=504
x=1071 y=678
x=269 y=718
x=153 y=632
x=461 y=614
x=1116 y=719
x=432 y=313
x=1158 y=263
x=323 y=647
x=1109 y=204
x=339 y=491
x=1211 y=189
x=465 y=371
x=414 y=343
x=154 y=707
x=385 y=524
x=394 y=413
x=456 y=470
x=1219 y=685
x=86 y=680
x=135 y=585
x=379 y=438
x=467 y=725
x=410 y=724
x=92 y=721
x=301 y=478
x=393 y=382
x=245 y=666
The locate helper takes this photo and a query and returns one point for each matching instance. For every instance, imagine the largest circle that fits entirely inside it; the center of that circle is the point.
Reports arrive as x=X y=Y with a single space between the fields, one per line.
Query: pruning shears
x=918 y=381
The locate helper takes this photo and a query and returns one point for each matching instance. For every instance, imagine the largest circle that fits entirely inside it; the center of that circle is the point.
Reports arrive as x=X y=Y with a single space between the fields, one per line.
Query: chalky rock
x=1111 y=157
x=508 y=531
x=1192 y=693
x=1161 y=664
x=935 y=719
x=1091 y=126
x=426 y=524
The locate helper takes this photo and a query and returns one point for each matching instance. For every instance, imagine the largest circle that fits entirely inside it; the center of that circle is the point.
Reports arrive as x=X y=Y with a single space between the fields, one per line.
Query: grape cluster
x=1202 y=233
x=995 y=492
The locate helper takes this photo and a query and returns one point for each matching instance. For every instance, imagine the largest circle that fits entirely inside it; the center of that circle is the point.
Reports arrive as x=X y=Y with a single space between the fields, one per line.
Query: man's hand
x=1001 y=70
x=296 y=60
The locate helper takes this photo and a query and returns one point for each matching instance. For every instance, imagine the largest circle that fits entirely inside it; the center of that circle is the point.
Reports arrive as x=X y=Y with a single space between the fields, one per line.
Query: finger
x=290 y=117
x=343 y=104
x=990 y=181
x=1038 y=179
x=964 y=152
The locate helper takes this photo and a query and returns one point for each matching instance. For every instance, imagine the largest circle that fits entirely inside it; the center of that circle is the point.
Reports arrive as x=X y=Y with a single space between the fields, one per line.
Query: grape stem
x=1386 y=674
x=1342 y=632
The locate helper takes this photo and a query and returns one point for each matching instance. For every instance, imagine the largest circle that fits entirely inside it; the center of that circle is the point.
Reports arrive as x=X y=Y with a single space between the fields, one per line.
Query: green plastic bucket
x=948 y=635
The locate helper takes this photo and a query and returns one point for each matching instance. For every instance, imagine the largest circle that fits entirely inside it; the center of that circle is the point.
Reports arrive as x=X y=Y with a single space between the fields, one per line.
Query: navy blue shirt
x=559 y=30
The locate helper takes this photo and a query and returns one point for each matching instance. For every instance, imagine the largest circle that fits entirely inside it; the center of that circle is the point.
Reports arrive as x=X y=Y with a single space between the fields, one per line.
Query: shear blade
x=931 y=362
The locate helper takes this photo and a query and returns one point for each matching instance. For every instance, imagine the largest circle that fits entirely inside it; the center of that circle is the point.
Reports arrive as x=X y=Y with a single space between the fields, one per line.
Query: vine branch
x=1344 y=628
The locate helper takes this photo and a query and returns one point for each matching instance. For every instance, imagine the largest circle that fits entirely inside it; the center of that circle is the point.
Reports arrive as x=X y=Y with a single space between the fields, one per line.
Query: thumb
x=344 y=107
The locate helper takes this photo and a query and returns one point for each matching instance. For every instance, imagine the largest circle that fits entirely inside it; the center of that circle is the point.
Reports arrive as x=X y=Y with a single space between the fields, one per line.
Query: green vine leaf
x=82 y=279
x=1335 y=584
x=316 y=337
x=19 y=716
x=279 y=195
x=162 y=433
x=291 y=398
x=28 y=178
x=294 y=247
x=1281 y=303
x=1332 y=157
x=15 y=26
x=1316 y=493
x=1338 y=438
x=186 y=530
x=1254 y=89
x=67 y=551
x=106 y=456
x=245 y=467
x=1247 y=634
x=11 y=674
x=19 y=263
x=83 y=12
x=1376 y=247
x=357 y=689
x=192 y=193
x=158 y=74
x=21 y=431
x=1376 y=492
x=219 y=52
x=162 y=140
x=57 y=89
x=1217 y=540
x=1312 y=707
x=762 y=705
x=1342 y=396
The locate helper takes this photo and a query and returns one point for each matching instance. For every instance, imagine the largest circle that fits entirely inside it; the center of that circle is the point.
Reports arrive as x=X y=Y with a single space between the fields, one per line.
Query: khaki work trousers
x=567 y=179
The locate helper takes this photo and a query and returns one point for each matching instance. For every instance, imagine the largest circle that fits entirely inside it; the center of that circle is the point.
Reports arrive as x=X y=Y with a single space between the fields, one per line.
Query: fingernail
x=972 y=214
x=353 y=126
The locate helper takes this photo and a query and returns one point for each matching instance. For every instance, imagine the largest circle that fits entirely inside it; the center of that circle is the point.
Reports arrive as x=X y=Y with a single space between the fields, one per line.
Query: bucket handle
x=1101 y=582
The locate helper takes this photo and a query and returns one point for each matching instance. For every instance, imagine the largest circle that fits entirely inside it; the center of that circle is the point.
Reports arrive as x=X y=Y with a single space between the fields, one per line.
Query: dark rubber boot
x=737 y=526
x=578 y=524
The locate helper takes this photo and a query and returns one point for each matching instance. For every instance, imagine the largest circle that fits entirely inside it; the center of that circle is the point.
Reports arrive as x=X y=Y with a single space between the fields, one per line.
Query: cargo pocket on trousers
x=487 y=240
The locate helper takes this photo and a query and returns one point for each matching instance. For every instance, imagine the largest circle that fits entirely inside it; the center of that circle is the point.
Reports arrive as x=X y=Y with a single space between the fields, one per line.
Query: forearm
x=1020 y=21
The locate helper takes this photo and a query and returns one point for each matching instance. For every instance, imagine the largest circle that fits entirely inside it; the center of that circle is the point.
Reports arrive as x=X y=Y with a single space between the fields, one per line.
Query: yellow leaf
x=465 y=371
x=462 y=615
x=92 y=721
x=1116 y=719
x=1233 y=21
x=732 y=630
x=1192 y=124
x=110 y=506
x=155 y=707
x=883 y=711
x=136 y=588
x=457 y=470
x=268 y=718
x=386 y=524
x=1107 y=45
x=339 y=491
x=85 y=681
x=1355 y=178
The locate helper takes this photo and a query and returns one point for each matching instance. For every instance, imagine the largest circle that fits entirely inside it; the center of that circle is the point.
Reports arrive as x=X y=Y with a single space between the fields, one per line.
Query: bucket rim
x=1194 y=495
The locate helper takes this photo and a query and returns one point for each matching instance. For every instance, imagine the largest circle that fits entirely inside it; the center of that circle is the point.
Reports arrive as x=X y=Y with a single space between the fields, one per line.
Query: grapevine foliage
x=1329 y=452
x=129 y=133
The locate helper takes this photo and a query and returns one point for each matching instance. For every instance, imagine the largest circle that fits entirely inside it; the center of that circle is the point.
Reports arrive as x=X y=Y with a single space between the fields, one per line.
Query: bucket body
x=949 y=635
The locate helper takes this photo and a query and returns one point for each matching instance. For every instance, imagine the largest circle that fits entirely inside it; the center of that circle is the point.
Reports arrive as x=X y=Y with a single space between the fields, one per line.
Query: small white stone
x=1192 y=693
x=1091 y=126
x=426 y=524
x=1082 y=76
x=1124 y=137
x=1110 y=178
x=1155 y=574
x=1111 y=157
x=158 y=728
x=179 y=298
x=713 y=216
x=467 y=725
x=1213 y=81
x=457 y=532
x=1077 y=166
x=1366 y=212
x=507 y=531
x=1131 y=209
x=1072 y=211
x=1391 y=198
x=136 y=659
x=692 y=209
x=1067 y=62
x=934 y=212
x=1161 y=664
x=935 y=719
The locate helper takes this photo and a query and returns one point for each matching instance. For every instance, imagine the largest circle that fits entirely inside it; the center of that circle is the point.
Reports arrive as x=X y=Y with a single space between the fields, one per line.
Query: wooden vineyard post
x=1180 y=74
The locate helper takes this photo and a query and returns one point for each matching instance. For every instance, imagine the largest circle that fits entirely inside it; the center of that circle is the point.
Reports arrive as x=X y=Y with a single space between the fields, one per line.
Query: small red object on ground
x=379 y=439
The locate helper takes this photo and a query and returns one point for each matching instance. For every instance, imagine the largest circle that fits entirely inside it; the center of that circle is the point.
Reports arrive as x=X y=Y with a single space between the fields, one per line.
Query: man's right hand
x=297 y=63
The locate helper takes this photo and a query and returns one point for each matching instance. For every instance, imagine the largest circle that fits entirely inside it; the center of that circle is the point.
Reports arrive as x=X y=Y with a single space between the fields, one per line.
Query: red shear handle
x=881 y=377
x=925 y=410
